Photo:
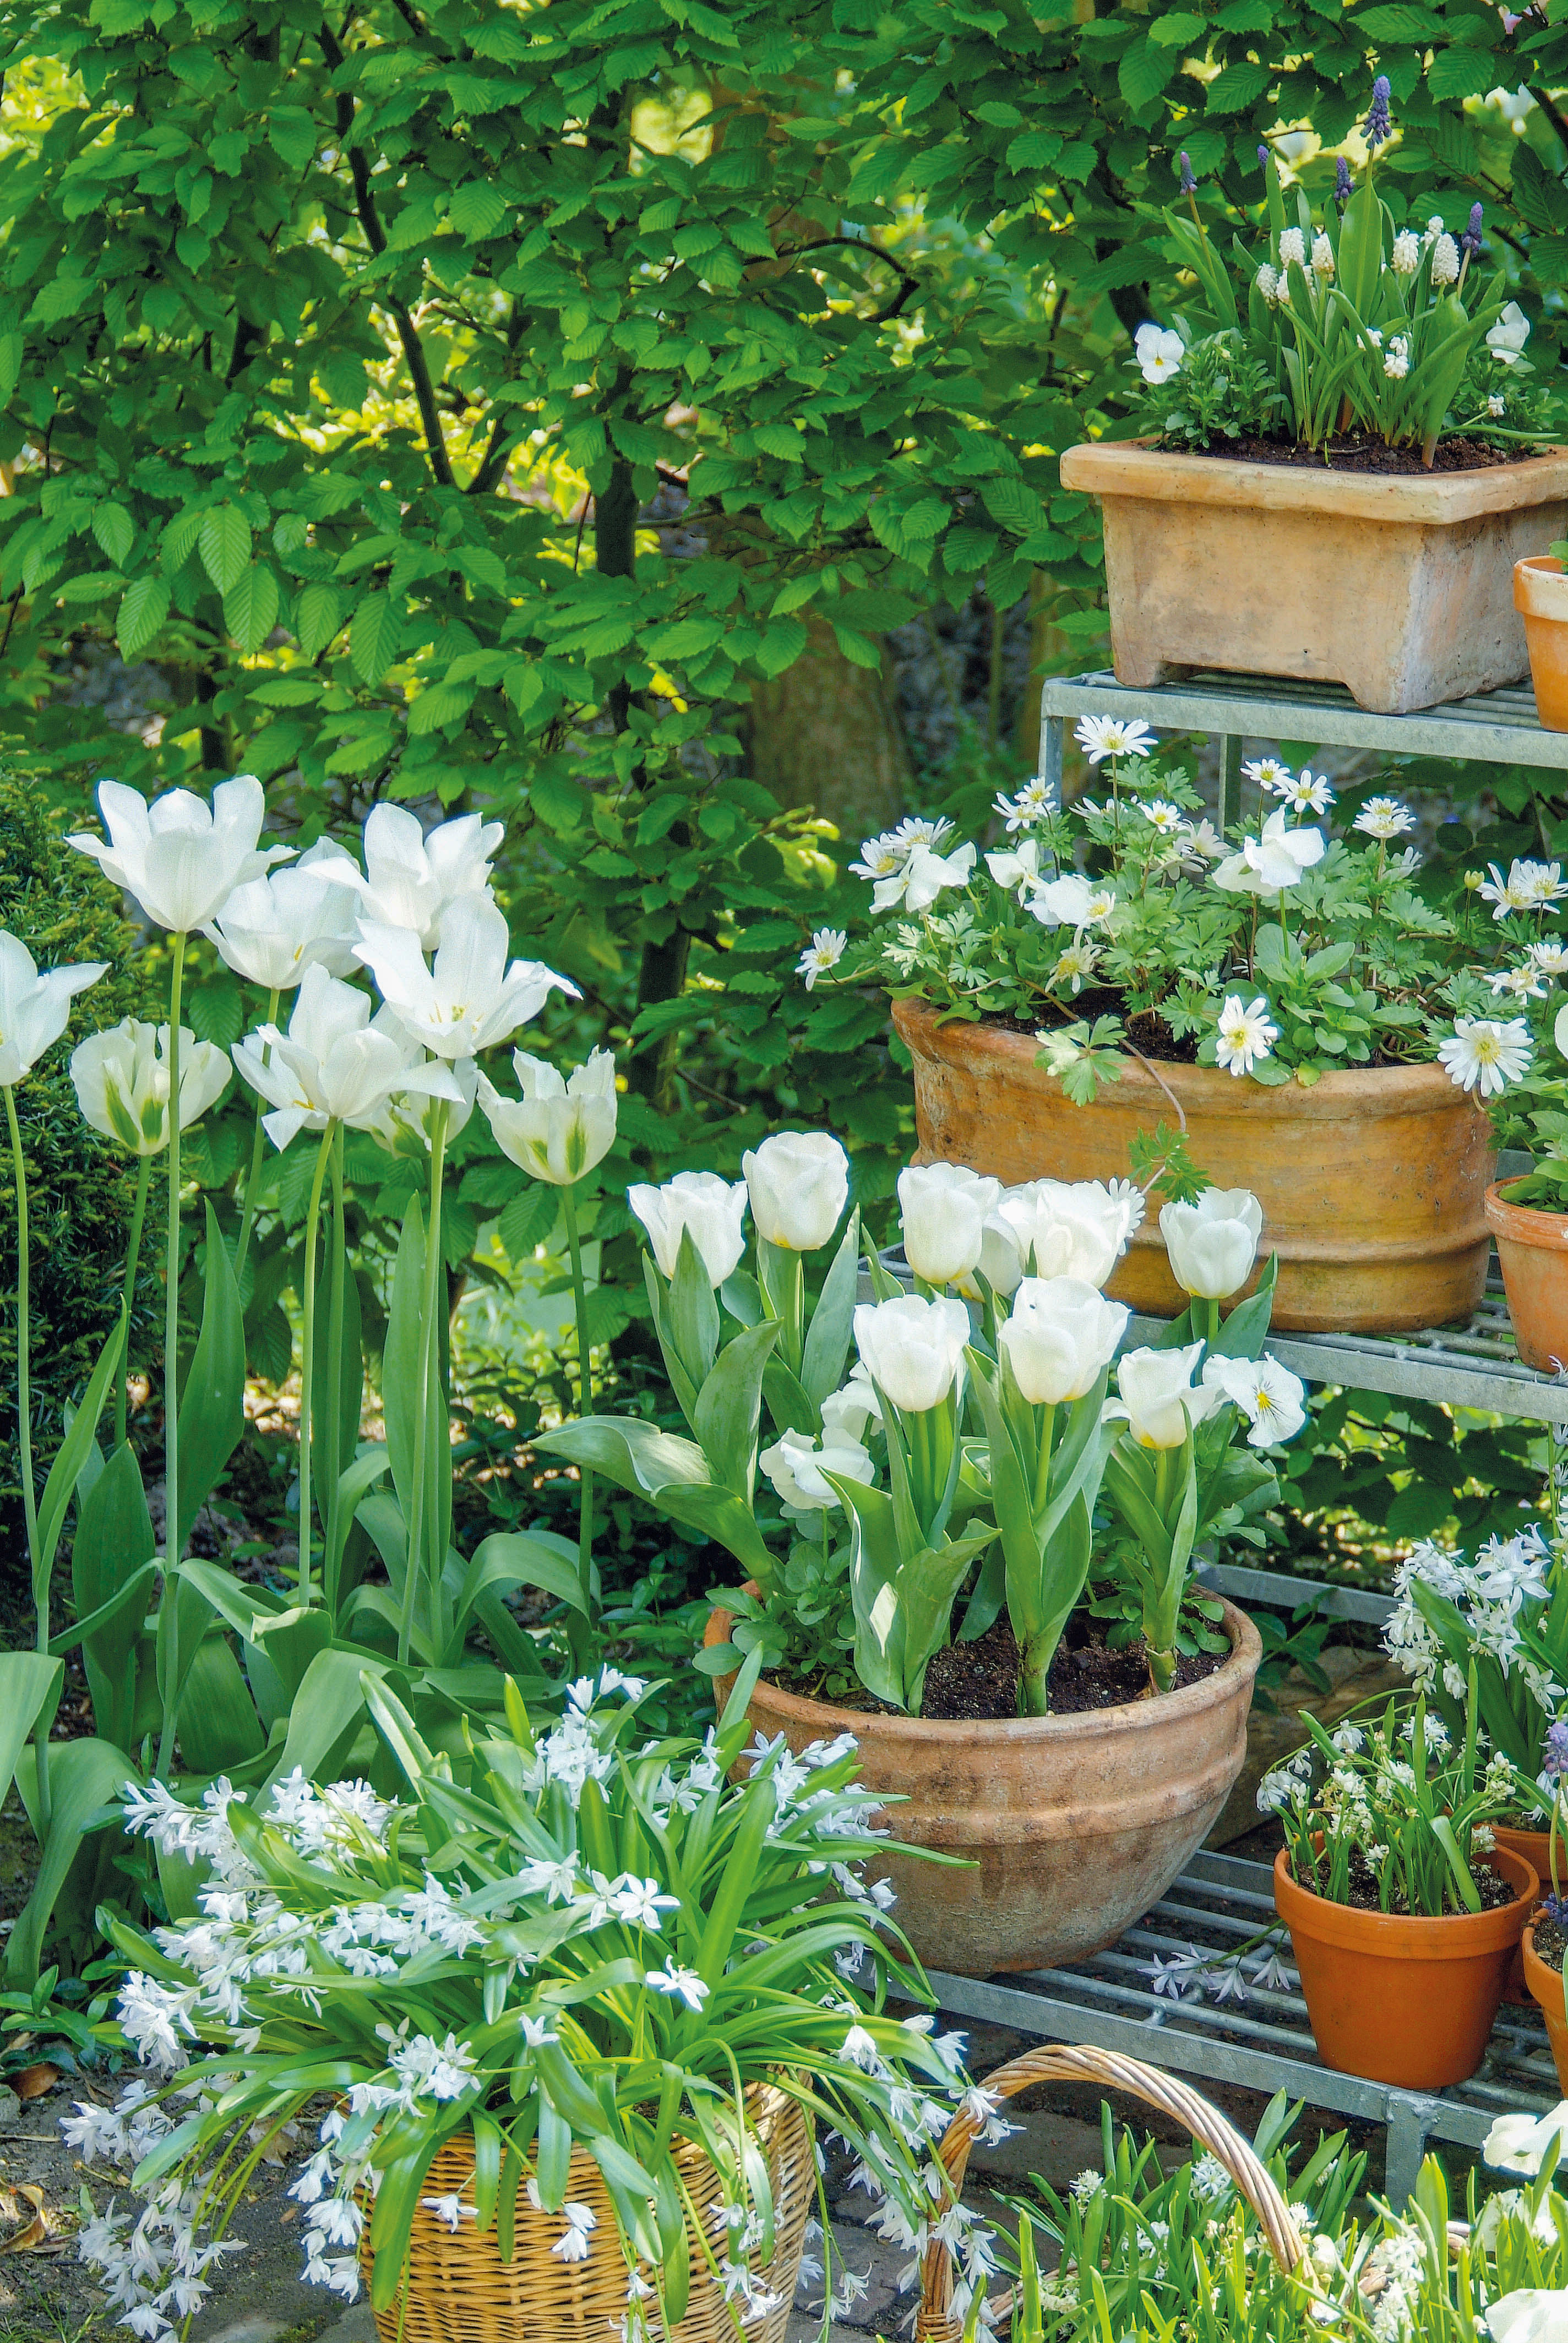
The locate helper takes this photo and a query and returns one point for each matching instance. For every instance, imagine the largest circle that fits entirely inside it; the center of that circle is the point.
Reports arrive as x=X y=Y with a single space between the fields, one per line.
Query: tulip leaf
x=673 y=1473
x=400 y=1355
x=1244 y=1333
x=212 y=1404
x=730 y=1403
x=789 y=1404
x=84 y=1777
x=71 y=1459
x=827 y=1336
x=692 y=1318
x=523 y=1558
x=112 y=1550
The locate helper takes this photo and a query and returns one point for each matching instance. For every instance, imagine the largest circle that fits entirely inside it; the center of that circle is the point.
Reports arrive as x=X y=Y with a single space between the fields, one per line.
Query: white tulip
x=470 y=998
x=1076 y=1228
x=911 y=1347
x=1213 y=1244
x=798 y=1183
x=34 y=1010
x=1158 y=1397
x=412 y=878
x=332 y=1065
x=272 y=929
x=847 y=1412
x=559 y=1129
x=795 y=1464
x=1518 y=2143
x=1062 y=1335
x=1531 y=2314
x=122 y=1082
x=1001 y=1261
x=406 y=1123
x=182 y=860
x=944 y=1207
x=701 y=1202
x=1268 y=1394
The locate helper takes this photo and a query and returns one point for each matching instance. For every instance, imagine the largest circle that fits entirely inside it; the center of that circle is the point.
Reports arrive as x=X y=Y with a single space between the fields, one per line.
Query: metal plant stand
x=1264 y=2042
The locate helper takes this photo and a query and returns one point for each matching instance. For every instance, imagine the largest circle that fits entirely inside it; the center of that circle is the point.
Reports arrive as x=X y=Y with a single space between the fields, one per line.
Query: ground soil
x=1493 y=1890
x=1550 y=1940
x=1354 y=452
x=980 y=1679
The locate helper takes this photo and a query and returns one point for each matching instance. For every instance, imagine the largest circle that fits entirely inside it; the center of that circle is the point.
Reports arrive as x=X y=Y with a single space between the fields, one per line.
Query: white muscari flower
x=1322 y=255
x=1406 y=254
x=1100 y=736
x=1444 y=261
x=822 y=954
x=1244 y=1035
x=1268 y=284
x=1496 y=405
x=1292 y=248
x=1486 y=1053
x=1396 y=359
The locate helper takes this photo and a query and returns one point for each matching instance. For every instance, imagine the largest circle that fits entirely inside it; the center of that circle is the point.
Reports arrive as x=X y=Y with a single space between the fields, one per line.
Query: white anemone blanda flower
x=1486 y=1053
x=824 y=951
x=1384 y=818
x=1245 y=1035
x=1100 y=737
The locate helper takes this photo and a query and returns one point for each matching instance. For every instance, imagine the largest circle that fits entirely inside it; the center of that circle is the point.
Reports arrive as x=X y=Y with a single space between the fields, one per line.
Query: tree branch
x=1553 y=112
x=910 y=282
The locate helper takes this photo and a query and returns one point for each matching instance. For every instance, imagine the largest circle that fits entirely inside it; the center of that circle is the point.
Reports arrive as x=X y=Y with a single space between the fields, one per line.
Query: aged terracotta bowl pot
x=1074 y=1826
x=1533 y=1250
x=1371 y=1183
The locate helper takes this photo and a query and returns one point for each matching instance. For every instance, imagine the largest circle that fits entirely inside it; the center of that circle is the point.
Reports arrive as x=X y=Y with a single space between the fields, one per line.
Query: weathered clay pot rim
x=1137 y=467
x=1405 y=1935
x=1527 y=1224
x=1541 y=588
x=957 y=1733
x=1532 y=1960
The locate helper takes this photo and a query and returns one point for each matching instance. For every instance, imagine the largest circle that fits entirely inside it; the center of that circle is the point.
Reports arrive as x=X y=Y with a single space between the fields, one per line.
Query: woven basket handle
x=1067 y=2062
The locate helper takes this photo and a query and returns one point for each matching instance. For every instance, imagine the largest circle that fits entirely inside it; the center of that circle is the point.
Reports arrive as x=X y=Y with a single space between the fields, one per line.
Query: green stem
x=334 y=1425
x=421 y=1447
x=171 y=1367
x=253 y=1177
x=1206 y=1318
x=307 y=1382
x=133 y=1254
x=1045 y=1415
x=579 y=1625
x=24 y=1444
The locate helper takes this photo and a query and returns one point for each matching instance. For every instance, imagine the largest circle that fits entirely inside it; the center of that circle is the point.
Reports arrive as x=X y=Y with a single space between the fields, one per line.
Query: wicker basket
x=1062 y=2062
x=458 y=2289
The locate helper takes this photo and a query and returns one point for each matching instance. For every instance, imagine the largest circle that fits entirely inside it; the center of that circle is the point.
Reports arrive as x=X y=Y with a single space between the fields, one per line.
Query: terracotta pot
x=1399 y=583
x=1072 y=1826
x=1398 y=1997
x=1371 y=1183
x=1545 y=1985
x=1533 y=1248
x=1541 y=598
x=1534 y=1846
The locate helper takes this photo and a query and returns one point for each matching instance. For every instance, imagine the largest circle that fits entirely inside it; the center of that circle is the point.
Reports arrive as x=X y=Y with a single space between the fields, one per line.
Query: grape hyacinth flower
x=1554 y=1754
x=1376 y=128
x=1341 y=182
x=1188 y=183
x=1469 y=242
x=1263 y=156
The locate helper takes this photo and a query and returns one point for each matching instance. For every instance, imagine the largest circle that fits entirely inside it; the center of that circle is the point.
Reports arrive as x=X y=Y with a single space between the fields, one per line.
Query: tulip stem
x=24 y=1445
x=132 y=1256
x=427 y=1338
x=332 y=1549
x=253 y=1177
x=171 y=1374
x=1210 y=1327
x=1046 y=1417
x=308 y=1363
x=578 y=1627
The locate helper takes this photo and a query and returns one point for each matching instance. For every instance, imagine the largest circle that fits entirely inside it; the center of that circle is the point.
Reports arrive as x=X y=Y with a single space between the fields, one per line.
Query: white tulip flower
x=795 y=1466
x=470 y=998
x=713 y=1211
x=271 y=930
x=943 y=1210
x=1518 y=2143
x=1160 y=1399
x=181 y=859
x=1062 y=1335
x=560 y=1128
x=34 y=1010
x=1531 y=2314
x=1213 y=1244
x=1268 y=1394
x=412 y=877
x=1000 y=1262
x=912 y=1348
x=846 y=1413
x=122 y=1082
x=1076 y=1228
x=798 y=1184
x=406 y=1123
x=332 y=1065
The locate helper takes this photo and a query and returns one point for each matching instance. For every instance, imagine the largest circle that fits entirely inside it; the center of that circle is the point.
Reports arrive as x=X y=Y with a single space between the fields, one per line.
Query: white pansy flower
x=1268 y=1394
x=1159 y=352
x=1072 y=902
x=795 y=1464
x=1507 y=337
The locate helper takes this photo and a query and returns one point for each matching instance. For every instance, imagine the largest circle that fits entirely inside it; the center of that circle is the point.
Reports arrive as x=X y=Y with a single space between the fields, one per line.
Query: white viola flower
x=1396 y=359
x=1100 y=736
x=1405 y=257
x=470 y=997
x=1530 y=2314
x=332 y=1065
x=1268 y=1394
x=798 y=1184
x=1059 y=1337
x=272 y=928
x=560 y=1127
x=412 y=877
x=1496 y=405
x=912 y=1348
x=795 y=1464
x=1159 y=352
x=1033 y=803
x=712 y=1209
x=1486 y=1053
x=922 y=878
x=1276 y=859
x=1384 y=818
x=1444 y=261
x=683 y=1984
x=1202 y=842
x=180 y=858
x=1072 y=902
x=943 y=1210
x=1213 y=1243
x=1244 y=1035
x=121 y=1079
x=1507 y=337
x=823 y=953
x=1519 y=2143
x=1292 y=248
x=1072 y=1228
x=1158 y=1397
x=34 y=1010
x=1016 y=867
x=1322 y=255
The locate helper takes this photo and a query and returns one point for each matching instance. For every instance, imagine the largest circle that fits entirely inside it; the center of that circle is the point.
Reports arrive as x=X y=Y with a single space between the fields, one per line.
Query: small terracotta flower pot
x=1397 y=1997
x=1541 y=598
x=1532 y=1247
x=1547 y=1988
x=1536 y=1847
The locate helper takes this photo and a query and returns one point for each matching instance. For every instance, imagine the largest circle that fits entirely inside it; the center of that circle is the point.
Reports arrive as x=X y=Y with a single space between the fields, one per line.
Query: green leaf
x=143 y=606
x=219 y=1728
x=84 y=1777
x=374 y=638
x=730 y=1404
x=115 y=532
x=30 y=1684
x=827 y=1336
x=326 y=1713
x=250 y=608
x=316 y=618
x=1144 y=71
x=224 y=542
x=523 y=1558
x=212 y=1403
x=69 y=1460
x=673 y=1473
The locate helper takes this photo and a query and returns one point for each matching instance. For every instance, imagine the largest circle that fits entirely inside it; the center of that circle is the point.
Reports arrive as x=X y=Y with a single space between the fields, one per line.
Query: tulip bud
x=798 y=1183
x=1213 y=1244
x=1158 y=1393
x=1073 y=1228
x=944 y=1207
x=34 y=1010
x=122 y=1082
x=559 y=1129
x=701 y=1202
x=912 y=1347
x=1062 y=1335
x=794 y=1466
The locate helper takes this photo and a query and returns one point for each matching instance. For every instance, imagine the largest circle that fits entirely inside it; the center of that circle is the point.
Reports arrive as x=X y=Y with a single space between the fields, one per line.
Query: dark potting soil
x=1493 y=1888
x=1550 y=1940
x=980 y=1679
x=1354 y=452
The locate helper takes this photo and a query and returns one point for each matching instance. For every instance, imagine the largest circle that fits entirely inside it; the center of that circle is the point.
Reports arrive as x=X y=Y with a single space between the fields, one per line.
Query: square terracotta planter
x=1399 y=586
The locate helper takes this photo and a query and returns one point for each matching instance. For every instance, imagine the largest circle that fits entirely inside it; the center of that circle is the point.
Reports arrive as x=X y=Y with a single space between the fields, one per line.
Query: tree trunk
x=826 y=733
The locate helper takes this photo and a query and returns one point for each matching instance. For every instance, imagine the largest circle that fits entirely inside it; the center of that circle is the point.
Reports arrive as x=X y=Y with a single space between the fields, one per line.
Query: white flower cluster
x=1491 y=1595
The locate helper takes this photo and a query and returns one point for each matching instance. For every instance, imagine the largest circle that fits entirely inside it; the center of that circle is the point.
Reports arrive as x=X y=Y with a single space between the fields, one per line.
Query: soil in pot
x=1399 y=1997
x=980 y=1679
x=1536 y=1847
x=1533 y=1249
x=1545 y=1943
x=1355 y=452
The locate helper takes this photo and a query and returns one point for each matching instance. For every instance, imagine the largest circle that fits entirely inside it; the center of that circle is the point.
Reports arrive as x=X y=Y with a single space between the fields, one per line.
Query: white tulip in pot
x=912 y=1486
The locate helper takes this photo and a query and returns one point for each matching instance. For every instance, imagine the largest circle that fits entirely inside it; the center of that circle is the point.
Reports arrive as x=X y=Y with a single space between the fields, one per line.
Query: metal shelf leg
x=1408 y=2119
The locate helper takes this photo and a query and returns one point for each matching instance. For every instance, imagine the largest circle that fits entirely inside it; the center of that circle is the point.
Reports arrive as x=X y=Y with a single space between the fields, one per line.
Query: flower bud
x=944 y=1207
x=798 y=1183
x=1062 y=1335
x=1213 y=1244
x=701 y=1202
x=912 y=1347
